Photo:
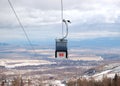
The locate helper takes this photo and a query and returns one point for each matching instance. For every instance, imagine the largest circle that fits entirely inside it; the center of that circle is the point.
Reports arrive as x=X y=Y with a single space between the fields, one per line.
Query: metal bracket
x=66 y=23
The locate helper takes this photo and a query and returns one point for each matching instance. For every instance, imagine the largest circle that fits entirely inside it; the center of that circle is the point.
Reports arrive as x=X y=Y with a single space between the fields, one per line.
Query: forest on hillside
x=79 y=82
x=92 y=82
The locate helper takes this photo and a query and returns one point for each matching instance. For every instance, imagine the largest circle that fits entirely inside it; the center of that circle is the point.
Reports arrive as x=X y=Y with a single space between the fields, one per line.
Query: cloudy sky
x=91 y=19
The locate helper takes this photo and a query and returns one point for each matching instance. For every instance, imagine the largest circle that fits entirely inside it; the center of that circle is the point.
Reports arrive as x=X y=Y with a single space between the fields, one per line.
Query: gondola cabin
x=61 y=48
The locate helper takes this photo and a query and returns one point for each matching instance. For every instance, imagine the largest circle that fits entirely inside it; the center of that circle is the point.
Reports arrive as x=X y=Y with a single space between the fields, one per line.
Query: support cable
x=62 y=15
x=22 y=27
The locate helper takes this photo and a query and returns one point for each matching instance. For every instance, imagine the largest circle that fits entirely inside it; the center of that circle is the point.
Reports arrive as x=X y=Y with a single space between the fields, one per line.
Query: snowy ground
x=107 y=71
x=9 y=63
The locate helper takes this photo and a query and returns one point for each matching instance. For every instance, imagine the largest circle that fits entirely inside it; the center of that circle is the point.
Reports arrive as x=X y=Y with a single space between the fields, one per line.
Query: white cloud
x=49 y=10
x=36 y=17
x=37 y=12
x=93 y=34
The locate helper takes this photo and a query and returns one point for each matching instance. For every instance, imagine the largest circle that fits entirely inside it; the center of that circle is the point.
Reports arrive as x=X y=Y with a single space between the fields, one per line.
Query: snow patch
x=8 y=63
x=57 y=83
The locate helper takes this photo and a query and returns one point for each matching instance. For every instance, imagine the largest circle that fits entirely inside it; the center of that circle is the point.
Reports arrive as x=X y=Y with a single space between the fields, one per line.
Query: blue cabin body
x=61 y=48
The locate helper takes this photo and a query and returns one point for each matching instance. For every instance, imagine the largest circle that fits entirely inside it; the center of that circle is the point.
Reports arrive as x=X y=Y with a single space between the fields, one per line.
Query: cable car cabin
x=61 y=48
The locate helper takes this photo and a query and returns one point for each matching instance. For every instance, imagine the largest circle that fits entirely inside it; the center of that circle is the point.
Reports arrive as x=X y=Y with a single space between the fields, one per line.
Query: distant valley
x=21 y=60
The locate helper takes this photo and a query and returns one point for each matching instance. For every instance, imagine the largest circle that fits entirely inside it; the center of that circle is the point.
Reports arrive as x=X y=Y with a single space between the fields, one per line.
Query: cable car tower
x=61 y=50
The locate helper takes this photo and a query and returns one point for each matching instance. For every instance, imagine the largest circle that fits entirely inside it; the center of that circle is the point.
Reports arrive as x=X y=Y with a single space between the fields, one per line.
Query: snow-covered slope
x=9 y=63
x=108 y=71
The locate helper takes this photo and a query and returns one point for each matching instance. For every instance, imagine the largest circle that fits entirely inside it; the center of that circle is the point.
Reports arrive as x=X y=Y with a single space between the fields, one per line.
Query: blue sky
x=91 y=20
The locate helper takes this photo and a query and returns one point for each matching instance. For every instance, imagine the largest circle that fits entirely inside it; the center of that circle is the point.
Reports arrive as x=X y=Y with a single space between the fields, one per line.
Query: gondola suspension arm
x=66 y=23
